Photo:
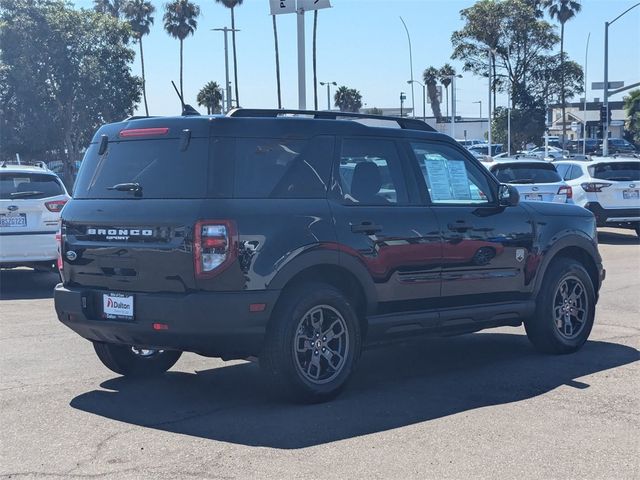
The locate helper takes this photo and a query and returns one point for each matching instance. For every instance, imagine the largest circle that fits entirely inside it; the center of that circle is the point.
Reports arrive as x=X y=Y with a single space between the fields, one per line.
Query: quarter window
x=450 y=177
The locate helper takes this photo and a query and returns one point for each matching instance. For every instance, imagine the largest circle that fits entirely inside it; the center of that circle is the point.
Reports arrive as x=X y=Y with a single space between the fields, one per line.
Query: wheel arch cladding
x=582 y=256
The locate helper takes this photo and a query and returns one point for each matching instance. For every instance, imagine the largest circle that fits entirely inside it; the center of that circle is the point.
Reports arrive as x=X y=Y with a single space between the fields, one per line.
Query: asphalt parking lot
x=481 y=406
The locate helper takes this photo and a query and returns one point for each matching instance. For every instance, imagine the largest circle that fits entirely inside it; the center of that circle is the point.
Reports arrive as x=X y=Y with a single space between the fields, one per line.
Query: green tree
x=562 y=11
x=108 y=7
x=65 y=72
x=231 y=5
x=632 y=107
x=431 y=76
x=139 y=14
x=518 y=38
x=527 y=125
x=210 y=96
x=446 y=73
x=180 y=22
x=347 y=99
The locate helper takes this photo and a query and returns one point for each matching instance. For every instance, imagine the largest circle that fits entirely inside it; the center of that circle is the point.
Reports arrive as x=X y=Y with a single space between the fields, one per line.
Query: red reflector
x=144 y=132
x=160 y=326
x=210 y=242
x=257 y=307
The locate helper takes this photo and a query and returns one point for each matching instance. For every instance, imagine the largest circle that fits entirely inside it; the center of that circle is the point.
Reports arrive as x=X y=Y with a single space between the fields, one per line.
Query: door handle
x=460 y=227
x=368 y=228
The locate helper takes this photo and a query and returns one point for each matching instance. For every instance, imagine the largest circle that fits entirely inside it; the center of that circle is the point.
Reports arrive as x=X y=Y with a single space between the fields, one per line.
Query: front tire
x=312 y=345
x=565 y=309
x=135 y=362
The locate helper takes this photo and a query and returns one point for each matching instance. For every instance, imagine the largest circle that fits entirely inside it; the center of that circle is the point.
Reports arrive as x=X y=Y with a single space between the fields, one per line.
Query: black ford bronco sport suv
x=300 y=238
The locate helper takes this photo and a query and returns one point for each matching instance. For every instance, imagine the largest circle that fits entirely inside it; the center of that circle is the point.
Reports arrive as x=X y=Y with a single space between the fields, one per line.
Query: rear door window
x=370 y=172
x=282 y=168
x=616 y=171
x=524 y=173
x=160 y=166
x=15 y=186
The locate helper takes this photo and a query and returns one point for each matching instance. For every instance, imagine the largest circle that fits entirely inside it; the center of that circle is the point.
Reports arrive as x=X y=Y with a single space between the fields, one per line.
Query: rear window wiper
x=31 y=193
x=127 y=187
x=522 y=180
x=620 y=179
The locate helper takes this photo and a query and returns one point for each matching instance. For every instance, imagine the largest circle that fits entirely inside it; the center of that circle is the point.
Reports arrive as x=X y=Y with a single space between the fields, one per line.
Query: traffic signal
x=605 y=115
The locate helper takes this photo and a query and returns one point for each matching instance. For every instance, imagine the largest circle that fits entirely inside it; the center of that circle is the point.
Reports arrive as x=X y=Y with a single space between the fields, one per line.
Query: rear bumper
x=23 y=249
x=614 y=217
x=212 y=324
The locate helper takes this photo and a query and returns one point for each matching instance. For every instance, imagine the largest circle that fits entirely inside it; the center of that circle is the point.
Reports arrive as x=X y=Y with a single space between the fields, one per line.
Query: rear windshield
x=15 y=185
x=616 y=171
x=159 y=166
x=526 y=173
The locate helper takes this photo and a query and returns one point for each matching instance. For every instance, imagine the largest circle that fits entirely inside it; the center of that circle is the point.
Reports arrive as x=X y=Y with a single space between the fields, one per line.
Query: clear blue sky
x=361 y=44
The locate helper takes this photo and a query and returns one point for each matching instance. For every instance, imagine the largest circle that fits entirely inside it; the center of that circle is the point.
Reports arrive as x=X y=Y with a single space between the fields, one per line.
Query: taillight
x=60 y=242
x=214 y=247
x=593 y=187
x=568 y=191
x=55 y=205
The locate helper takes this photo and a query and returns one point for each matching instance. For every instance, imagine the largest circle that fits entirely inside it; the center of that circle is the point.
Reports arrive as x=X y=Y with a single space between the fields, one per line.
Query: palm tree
x=446 y=72
x=348 y=99
x=430 y=77
x=210 y=96
x=231 y=5
x=180 y=22
x=108 y=7
x=632 y=107
x=275 y=37
x=563 y=11
x=139 y=13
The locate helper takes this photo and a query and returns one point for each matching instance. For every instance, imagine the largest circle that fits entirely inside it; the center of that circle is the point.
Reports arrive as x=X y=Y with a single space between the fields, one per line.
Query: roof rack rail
x=404 y=123
x=25 y=163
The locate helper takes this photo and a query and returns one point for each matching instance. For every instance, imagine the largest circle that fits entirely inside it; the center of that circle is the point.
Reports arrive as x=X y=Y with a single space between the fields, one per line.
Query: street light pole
x=227 y=88
x=489 y=113
x=584 y=123
x=413 y=100
x=605 y=130
x=328 y=84
x=424 y=98
x=302 y=89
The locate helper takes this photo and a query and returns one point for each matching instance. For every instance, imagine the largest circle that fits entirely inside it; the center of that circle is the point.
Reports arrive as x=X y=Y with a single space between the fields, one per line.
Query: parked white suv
x=31 y=198
x=535 y=180
x=608 y=186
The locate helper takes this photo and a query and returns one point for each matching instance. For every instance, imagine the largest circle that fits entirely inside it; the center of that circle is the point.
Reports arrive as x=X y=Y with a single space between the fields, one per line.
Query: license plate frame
x=4 y=223
x=631 y=194
x=118 y=306
x=533 y=197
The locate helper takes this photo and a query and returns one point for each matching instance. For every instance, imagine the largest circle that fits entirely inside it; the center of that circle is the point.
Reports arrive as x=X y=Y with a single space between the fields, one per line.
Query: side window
x=575 y=172
x=562 y=170
x=370 y=173
x=282 y=168
x=450 y=177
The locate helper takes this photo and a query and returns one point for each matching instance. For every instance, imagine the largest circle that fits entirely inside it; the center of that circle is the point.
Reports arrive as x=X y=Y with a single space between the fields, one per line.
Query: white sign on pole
x=282 y=6
x=308 y=5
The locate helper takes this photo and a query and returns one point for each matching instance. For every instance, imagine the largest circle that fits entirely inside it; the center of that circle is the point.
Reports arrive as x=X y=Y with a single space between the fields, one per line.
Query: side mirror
x=508 y=196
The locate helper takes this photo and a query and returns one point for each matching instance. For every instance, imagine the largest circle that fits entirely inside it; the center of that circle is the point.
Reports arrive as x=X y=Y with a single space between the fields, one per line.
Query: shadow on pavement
x=615 y=238
x=393 y=387
x=24 y=283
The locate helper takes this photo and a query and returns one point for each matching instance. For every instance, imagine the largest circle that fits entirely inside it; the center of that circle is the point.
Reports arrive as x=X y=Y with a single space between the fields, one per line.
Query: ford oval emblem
x=12 y=208
x=71 y=255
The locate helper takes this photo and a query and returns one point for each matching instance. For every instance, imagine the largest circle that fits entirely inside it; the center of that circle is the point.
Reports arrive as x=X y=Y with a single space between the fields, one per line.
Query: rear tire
x=125 y=361
x=565 y=309
x=312 y=345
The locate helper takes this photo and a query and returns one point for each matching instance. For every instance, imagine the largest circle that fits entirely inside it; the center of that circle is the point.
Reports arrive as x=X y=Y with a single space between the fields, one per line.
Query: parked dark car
x=591 y=146
x=620 y=145
x=300 y=238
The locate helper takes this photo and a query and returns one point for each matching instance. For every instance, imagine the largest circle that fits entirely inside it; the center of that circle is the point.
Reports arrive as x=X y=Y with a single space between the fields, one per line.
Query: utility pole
x=584 y=123
x=302 y=88
x=489 y=113
x=227 y=87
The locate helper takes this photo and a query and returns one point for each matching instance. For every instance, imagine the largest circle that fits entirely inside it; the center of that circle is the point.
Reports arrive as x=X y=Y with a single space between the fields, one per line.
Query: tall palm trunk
x=275 y=37
x=144 y=82
x=562 y=99
x=181 y=91
x=315 y=76
x=235 y=58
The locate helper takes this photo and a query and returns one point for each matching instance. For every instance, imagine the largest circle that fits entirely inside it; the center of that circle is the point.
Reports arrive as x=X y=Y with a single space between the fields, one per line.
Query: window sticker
x=447 y=179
